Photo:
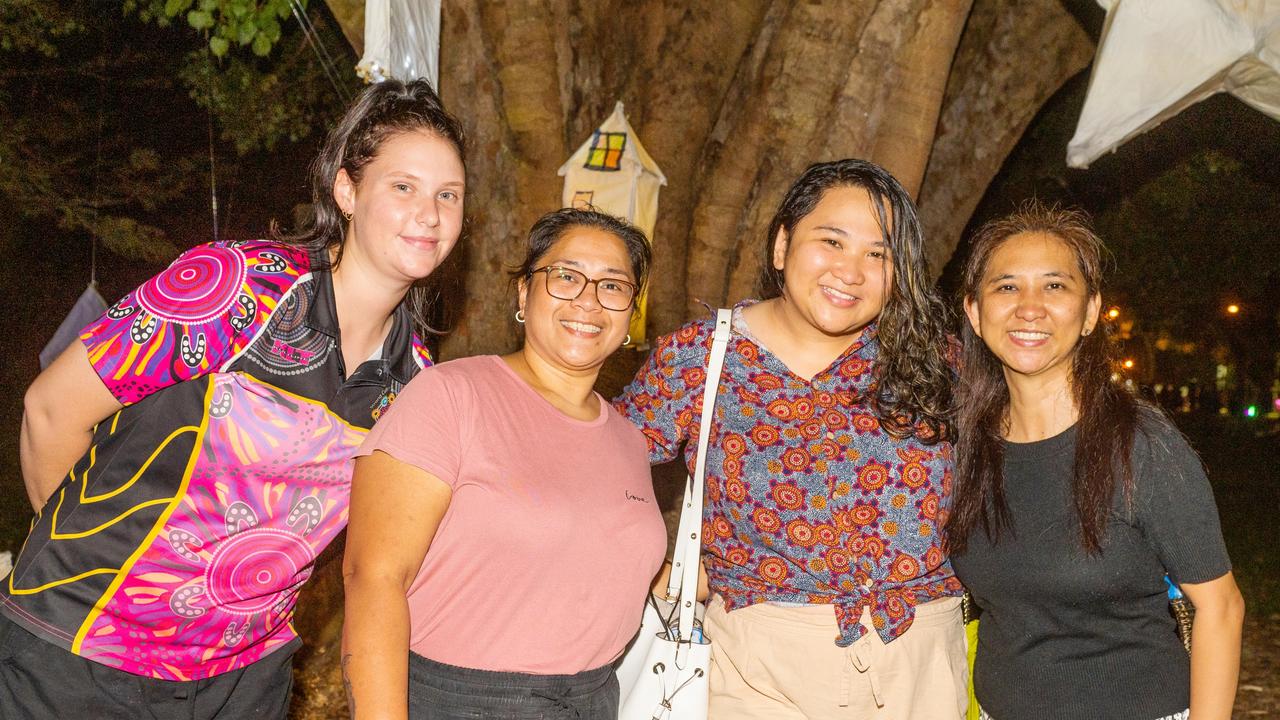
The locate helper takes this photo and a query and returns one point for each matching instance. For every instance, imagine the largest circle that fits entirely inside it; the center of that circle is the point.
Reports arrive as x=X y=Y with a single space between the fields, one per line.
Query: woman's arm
x=1215 y=646
x=59 y=412
x=381 y=561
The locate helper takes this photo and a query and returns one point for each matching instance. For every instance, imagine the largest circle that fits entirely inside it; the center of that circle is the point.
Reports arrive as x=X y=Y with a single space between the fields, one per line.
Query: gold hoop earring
x=627 y=341
x=520 y=316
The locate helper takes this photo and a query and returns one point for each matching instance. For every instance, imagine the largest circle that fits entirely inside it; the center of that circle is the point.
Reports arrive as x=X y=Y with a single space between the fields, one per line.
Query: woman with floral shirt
x=828 y=473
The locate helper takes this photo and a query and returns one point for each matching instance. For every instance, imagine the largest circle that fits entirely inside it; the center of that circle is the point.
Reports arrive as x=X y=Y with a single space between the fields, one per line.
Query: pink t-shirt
x=542 y=562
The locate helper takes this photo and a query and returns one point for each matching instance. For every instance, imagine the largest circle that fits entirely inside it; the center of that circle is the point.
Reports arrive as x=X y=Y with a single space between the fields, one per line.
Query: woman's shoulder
x=458 y=382
x=465 y=369
x=1160 y=448
x=688 y=344
x=261 y=255
x=264 y=267
x=1155 y=431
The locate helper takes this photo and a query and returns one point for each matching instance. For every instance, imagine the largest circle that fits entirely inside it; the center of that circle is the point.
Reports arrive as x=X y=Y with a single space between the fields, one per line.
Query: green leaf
x=283 y=9
x=199 y=19
x=246 y=32
x=218 y=46
x=173 y=7
x=261 y=45
x=272 y=30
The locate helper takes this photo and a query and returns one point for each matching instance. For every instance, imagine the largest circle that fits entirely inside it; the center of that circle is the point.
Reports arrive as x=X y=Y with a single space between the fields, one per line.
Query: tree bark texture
x=733 y=100
x=1013 y=56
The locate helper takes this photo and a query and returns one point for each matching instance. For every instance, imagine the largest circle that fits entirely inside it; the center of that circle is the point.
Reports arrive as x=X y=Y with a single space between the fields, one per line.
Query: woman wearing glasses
x=503 y=524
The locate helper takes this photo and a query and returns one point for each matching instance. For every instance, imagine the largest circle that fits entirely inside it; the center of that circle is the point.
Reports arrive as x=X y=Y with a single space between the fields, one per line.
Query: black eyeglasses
x=567 y=284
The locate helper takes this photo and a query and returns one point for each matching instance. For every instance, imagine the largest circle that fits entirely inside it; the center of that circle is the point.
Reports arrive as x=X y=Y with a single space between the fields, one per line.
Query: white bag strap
x=689 y=535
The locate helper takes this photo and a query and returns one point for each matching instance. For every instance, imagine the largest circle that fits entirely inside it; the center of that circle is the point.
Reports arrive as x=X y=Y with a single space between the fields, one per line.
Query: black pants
x=445 y=692
x=40 y=680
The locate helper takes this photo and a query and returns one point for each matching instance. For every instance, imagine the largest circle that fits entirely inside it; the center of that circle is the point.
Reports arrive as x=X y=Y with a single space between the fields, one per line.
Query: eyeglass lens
x=568 y=284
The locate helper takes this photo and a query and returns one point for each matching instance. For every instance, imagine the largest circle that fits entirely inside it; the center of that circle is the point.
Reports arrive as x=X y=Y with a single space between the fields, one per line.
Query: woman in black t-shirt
x=1072 y=500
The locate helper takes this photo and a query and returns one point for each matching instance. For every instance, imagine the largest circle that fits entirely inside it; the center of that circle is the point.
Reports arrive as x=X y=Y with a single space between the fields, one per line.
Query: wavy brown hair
x=913 y=379
x=1108 y=413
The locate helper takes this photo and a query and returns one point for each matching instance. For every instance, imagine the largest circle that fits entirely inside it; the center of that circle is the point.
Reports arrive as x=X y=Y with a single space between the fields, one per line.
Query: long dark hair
x=913 y=380
x=1108 y=413
x=381 y=111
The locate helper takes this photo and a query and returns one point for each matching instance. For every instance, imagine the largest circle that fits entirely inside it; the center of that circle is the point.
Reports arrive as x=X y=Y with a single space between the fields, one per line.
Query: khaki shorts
x=780 y=662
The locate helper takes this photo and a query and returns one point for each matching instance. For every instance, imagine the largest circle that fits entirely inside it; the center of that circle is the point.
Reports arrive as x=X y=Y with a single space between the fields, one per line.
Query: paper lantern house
x=613 y=173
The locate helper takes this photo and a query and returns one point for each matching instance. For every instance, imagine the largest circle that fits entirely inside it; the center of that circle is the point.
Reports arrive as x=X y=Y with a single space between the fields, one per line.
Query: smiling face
x=576 y=335
x=836 y=267
x=1032 y=306
x=406 y=207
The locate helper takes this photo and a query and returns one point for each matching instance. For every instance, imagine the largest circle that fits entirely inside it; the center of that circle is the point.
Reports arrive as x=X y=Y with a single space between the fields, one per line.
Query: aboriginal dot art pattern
x=177 y=546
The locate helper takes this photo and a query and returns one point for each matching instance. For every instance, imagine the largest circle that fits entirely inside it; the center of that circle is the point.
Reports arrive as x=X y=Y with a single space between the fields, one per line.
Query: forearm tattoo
x=346 y=684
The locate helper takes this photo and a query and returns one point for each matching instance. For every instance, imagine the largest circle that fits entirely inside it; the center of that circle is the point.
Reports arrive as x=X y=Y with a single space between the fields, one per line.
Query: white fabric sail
x=401 y=40
x=1158 y=57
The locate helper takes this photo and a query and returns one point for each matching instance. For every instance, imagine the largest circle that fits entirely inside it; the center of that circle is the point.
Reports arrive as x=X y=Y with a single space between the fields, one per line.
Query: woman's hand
x=395 y=511
x=1215 y=646
x=60 y=410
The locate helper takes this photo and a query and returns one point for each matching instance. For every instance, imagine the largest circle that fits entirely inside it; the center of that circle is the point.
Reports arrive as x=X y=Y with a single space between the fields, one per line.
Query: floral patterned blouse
x=808 y=499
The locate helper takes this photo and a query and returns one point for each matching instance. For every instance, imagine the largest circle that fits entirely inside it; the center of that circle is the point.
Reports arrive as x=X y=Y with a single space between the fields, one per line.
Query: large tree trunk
x=1013 y=56
x=733 y=100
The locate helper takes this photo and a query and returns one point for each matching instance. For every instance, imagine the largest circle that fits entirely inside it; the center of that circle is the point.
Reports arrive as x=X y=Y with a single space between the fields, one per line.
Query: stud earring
x=345 y=214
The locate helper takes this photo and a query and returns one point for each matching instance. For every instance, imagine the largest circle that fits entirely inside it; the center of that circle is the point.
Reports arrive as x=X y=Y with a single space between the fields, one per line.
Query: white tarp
x=1157 y=57
x=401 y=40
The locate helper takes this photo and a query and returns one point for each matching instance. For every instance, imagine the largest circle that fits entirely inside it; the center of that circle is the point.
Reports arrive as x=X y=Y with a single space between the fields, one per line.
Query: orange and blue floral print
x=808 y=498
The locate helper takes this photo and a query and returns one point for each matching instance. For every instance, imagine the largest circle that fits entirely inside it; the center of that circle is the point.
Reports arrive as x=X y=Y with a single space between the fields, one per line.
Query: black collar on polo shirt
x=323 y=317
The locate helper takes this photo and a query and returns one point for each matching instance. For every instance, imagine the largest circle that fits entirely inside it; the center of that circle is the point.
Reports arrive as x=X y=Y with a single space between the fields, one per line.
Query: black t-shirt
x=1068 y=635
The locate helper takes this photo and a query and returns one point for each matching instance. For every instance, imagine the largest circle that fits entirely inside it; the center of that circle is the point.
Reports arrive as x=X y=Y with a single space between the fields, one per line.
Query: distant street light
x=1233 y=309
x=1128 y=364
x=1113 y=313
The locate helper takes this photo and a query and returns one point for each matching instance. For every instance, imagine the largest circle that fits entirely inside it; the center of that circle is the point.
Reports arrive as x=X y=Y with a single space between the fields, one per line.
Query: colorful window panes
x=582 y=199
x=606 y=151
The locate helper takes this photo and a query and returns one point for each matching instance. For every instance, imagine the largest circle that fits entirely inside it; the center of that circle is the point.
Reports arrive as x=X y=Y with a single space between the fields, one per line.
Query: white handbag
x=663 y=675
